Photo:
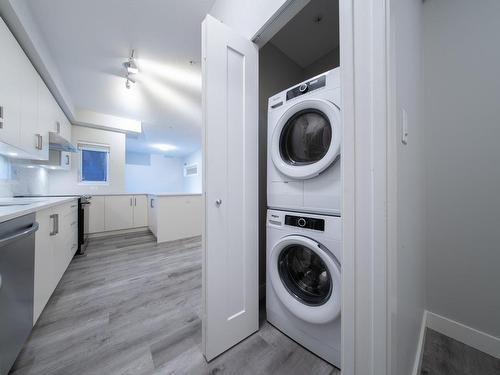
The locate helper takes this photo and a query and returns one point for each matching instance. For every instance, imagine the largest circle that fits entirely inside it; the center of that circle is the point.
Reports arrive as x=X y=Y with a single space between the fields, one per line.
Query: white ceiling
x=303 y=39
x=89 y=40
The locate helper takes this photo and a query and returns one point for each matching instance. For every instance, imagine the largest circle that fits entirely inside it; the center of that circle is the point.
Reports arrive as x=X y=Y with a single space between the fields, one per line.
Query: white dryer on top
x=304 y=144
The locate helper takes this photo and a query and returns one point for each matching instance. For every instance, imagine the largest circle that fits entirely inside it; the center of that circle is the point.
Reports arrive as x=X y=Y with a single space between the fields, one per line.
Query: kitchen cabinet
x=28 y=111
x=30 y=140
x=140 y=211
x=96 y=214
x=10 y=100
x=56 y=242
x=63 y=126
x=152 y=220
x=172 y=217
x=119 y=212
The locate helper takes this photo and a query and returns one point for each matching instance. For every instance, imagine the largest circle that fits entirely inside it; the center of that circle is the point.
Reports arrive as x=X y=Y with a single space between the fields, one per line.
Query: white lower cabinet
x=152 y=219
x=175 y=217
x=56 y=242
x=117 y=212
x=140 y=211
x=96 y=214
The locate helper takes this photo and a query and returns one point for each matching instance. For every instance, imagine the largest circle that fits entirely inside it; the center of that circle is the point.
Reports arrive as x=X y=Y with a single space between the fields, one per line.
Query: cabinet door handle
x=135 y=201
x=67 y=159
x=151 y=203
x=58 y=127
x=39 y=142
x=1 y=116
x=55 y=224
x=130 y=201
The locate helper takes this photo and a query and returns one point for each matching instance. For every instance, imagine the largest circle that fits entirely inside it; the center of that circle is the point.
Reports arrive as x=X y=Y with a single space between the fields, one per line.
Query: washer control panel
x=306 y=87
x=305 y=222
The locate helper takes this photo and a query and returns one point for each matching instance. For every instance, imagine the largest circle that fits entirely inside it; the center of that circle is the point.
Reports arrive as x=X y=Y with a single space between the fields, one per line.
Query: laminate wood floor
x=446 y=356
x=131 y=306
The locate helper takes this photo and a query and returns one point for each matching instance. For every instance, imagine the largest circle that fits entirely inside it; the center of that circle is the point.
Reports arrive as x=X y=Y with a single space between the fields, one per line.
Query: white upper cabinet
x=31 y=140
x=10 y=99
x=28 y=111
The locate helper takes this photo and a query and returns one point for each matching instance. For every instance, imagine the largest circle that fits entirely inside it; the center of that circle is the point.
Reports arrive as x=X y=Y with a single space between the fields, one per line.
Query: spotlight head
x=131 y=67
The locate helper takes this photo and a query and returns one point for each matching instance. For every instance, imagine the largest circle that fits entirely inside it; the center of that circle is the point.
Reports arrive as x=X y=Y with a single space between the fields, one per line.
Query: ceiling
x=89 y=40
x=311 y=34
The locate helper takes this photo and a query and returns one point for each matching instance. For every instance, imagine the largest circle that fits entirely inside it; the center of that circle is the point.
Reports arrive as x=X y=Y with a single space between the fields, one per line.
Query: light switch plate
x=404 y=127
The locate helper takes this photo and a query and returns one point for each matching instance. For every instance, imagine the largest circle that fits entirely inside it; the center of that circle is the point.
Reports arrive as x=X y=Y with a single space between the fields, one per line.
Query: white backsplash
x=29 y=180
x=5 y=177
x=21 y=179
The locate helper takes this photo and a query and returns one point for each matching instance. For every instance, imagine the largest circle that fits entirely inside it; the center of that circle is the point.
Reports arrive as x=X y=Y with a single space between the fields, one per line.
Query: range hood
x=58 y=143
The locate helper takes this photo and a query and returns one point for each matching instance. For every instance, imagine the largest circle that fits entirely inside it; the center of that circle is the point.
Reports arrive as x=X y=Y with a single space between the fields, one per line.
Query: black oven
x=84 y=202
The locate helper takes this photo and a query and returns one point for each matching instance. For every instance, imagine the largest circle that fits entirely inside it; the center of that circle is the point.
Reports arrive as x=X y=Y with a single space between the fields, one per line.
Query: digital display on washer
x=306 y=87
x=305 y=222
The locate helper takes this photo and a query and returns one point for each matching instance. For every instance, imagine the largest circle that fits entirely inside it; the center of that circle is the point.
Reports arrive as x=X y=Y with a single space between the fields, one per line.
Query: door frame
x=369 y=191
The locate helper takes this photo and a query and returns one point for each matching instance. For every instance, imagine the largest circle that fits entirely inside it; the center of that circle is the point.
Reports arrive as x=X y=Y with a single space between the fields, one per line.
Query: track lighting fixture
x=130 y=80
x=131 y=69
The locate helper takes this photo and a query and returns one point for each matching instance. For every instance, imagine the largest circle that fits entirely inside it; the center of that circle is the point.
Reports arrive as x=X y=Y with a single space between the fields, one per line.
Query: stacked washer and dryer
x=303 y=286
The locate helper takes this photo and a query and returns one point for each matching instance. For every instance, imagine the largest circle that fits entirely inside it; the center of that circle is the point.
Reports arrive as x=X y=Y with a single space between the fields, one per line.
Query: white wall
x=409 y=261
x=157 y=174
x=244 y=16
x=66 y=182
x=324 y=63
x=276 y=73
x=462 y=97
x=193 y=184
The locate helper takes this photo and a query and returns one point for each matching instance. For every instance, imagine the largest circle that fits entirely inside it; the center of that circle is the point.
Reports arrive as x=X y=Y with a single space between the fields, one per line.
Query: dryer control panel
x=306 y=87
x=305 y=222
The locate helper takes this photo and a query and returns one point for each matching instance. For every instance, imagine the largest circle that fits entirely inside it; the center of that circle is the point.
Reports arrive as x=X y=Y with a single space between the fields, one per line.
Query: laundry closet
x=300 y=138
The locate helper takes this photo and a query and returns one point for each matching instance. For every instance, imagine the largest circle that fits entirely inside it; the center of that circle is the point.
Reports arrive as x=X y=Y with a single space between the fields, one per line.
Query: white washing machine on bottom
x=303 y=280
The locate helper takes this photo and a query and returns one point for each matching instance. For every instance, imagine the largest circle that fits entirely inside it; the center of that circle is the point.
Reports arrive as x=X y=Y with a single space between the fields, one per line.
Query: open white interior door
x=230 y=156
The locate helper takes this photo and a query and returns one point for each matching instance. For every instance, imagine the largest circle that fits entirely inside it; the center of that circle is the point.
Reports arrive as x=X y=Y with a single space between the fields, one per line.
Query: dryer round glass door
x=306 y=278
x=307 y=138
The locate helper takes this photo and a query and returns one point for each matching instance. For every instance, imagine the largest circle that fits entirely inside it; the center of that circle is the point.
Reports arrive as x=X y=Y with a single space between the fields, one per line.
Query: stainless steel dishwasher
x=17 y=256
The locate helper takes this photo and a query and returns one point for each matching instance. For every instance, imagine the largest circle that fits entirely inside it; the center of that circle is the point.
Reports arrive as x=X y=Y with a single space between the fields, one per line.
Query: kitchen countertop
x=151 y=194
x=173 y=194
x=11 y=212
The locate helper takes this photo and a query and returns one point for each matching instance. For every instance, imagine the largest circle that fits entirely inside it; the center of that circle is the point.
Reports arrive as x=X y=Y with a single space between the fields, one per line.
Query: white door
x=230 y=118
x=118 y=212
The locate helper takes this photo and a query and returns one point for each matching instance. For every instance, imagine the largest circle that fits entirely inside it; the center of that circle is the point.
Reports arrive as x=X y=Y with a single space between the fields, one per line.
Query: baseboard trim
x=420 y=348
x=116 y=232
x=478 y=340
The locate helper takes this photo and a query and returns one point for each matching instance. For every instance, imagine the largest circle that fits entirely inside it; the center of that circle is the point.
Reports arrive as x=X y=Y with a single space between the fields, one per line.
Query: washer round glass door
x=306 y=278
x=307 y=138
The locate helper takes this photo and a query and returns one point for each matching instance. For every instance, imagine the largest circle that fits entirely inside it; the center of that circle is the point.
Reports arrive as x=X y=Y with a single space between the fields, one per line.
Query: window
x=94 y=164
